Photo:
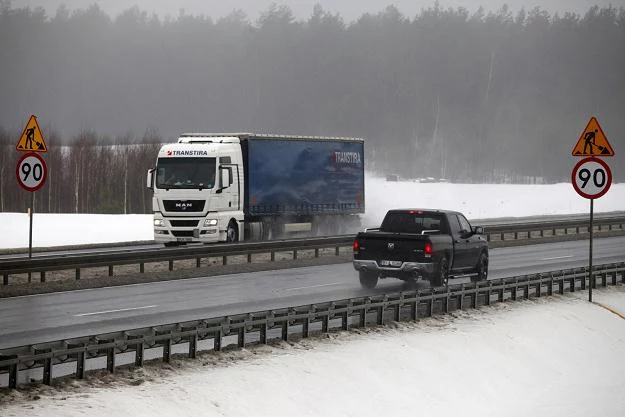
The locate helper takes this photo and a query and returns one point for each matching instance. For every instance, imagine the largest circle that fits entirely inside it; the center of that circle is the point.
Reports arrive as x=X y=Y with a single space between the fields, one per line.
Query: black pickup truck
x=411 y=244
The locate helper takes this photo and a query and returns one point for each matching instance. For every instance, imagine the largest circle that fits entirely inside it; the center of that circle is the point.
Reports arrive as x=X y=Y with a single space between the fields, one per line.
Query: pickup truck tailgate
x=382 y=246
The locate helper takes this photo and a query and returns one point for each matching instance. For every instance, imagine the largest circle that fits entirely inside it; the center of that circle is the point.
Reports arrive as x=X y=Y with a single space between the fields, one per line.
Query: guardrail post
x=273 y=256
x=513 y=290
x=550 y=286
x=217 y=341
x=397 y=308
x=325 y=322
x=43 y=276
x=139 y=350
x=224 y=260
x=460 y=298
x=77 y=274
x=488 y=294
x=110 y=270
x=193 y=346
x=306 y=326
x=249 y=258
x=5 y=279
x=316 y=252
x=363 y=312
x=12 y=370
x=337 y=251
x=110 y=354
x=263 y=333
x=80 y=359
x=167 y=350
x=345 y=320
x=241 y=337
x=142 y=267
x=285 y=329
x=414 y=313
x=171 y=265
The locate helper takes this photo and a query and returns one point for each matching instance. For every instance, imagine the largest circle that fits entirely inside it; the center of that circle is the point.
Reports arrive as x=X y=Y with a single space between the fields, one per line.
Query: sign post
x=592 y=177
x=31 y=170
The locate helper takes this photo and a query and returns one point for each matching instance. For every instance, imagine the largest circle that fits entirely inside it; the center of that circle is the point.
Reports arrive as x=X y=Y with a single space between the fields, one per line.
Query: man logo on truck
x=184 y=206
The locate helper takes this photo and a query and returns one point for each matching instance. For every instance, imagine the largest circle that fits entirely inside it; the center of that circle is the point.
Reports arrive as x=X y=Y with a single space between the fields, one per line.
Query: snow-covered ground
x=476 y=201
x=556 y=356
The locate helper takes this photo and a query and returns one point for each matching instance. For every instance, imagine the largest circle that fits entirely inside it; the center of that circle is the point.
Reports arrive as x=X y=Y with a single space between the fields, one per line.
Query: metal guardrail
x=497 y=235
x=260 y=327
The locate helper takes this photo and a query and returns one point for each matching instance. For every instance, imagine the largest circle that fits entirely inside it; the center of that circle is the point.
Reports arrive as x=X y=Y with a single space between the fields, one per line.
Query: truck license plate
x=184 y=239
x=390 y=263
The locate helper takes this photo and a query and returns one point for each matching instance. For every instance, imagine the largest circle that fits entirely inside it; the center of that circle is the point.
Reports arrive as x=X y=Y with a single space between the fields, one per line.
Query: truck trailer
x=227 y=187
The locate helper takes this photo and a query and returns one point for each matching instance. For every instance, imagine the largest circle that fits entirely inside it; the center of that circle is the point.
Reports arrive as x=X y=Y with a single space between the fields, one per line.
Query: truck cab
x=197 y=185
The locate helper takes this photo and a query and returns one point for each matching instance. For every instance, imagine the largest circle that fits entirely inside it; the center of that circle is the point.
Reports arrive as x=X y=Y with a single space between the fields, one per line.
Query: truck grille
x=186 y=206
x=182 y=233
x=184 y=223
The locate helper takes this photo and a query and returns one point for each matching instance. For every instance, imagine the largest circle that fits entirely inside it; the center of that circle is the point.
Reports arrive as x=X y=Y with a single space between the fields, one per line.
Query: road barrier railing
x=70 y=358
x=498 y=235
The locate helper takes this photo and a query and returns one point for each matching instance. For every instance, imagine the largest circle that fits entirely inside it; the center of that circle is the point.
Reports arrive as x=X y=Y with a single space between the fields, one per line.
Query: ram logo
x=184 y=205
x=390 y=246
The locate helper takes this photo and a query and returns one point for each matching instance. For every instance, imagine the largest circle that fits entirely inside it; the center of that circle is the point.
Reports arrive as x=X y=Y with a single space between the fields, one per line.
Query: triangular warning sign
x=593 y=141
x=32 y=138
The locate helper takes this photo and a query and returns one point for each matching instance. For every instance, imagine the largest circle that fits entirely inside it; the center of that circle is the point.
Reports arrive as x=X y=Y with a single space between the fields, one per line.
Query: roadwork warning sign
x=32 y=138
x=593 y=141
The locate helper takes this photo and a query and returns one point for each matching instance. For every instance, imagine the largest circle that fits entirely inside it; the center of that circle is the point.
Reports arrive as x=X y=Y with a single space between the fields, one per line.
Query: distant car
x=436 y=245
x=392 y=177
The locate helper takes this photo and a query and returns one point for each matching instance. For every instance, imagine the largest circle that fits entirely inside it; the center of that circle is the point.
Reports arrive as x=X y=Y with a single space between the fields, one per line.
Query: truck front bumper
x=419 y=268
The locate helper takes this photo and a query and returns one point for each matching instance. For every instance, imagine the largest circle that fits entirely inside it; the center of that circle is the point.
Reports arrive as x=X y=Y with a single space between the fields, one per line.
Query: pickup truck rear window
x=414 y=222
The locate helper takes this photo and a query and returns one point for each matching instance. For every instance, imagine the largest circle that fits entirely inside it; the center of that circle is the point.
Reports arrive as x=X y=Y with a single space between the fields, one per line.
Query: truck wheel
x=368 y=280
x=482 y=268
x=232 y=232
x=441 y=275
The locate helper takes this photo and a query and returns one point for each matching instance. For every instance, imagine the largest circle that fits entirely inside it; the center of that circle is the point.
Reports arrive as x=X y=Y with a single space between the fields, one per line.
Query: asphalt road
x=45 y=317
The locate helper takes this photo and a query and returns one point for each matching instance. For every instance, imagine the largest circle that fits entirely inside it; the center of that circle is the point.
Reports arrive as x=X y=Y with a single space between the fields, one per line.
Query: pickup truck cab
x=413 y=244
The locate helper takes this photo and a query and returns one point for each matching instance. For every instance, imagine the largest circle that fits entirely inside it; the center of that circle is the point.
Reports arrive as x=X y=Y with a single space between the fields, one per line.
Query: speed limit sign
x=31 y=172
x=591 y=178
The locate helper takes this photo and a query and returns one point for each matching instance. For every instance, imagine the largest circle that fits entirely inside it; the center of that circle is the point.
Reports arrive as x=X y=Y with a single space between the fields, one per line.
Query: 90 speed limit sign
x=31 y=172
x=591 y=178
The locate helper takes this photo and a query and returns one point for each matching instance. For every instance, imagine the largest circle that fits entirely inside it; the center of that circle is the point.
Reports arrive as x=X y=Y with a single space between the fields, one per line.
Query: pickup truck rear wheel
x=440 y=277
x=368 y=279
x=482 y=268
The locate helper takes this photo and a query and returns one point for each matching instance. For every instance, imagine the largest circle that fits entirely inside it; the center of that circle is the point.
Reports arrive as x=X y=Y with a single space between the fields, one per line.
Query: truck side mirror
x=478 y=230
x=149 y=181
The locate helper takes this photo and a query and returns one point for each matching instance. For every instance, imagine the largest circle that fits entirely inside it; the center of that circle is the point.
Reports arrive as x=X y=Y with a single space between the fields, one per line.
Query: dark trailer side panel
x=303 y=176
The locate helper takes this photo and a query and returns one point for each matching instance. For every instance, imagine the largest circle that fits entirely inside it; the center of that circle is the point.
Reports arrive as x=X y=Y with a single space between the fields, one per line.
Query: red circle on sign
x=581 y=165
x=25 y=183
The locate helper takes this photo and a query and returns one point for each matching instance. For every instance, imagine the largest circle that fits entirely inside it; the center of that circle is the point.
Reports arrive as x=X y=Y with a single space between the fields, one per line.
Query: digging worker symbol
x=30 y=137
x=589 y=141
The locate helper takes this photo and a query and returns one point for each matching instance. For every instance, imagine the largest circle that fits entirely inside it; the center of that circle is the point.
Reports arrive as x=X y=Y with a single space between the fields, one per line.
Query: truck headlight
x=210 y=222
x=159 y=222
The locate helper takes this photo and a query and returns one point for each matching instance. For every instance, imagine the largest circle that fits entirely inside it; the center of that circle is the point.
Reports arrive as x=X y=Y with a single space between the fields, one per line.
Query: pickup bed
x=413 y=244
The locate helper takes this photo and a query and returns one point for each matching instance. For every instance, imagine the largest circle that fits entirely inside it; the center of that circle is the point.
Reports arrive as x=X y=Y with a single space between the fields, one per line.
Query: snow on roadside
x=555 y=356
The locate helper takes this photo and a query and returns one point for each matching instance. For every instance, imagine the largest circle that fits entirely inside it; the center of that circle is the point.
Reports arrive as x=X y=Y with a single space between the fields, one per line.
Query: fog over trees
x=468 y=96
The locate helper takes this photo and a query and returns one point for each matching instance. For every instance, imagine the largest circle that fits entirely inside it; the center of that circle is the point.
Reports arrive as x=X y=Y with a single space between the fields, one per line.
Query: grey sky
x=348 y=9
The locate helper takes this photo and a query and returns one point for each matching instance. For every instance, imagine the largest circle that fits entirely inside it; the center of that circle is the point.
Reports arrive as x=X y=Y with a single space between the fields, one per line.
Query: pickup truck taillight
x=428 y=249
x=356 y=246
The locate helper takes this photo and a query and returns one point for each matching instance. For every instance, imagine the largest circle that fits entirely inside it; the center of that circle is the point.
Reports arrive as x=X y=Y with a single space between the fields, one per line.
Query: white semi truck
x=226 y=187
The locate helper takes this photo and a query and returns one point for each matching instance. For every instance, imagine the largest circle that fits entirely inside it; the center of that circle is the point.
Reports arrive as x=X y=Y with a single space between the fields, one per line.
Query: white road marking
x=556 y=257
x=312 y=286
x=114 y=311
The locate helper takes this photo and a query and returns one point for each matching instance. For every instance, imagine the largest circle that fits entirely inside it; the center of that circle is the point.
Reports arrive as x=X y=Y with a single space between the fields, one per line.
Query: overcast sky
x=348 y=9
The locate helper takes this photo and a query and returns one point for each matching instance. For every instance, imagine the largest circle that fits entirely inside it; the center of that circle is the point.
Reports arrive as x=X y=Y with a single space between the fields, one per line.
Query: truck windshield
x=185 y=173
x=414 y=222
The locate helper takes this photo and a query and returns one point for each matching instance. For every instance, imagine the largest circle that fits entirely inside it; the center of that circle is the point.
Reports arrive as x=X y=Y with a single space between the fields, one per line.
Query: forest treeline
x=465 y=95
